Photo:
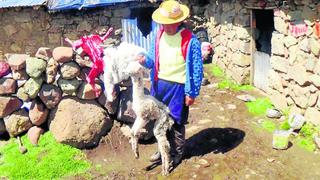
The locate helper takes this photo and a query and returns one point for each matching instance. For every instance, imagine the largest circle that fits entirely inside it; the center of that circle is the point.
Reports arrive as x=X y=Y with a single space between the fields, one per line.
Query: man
x=176 y=73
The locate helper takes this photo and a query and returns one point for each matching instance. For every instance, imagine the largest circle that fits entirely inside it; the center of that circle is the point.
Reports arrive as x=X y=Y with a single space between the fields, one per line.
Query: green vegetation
x=306 y=143
x=216 y=71
x=284 y=126
x=268 y=125
x=49 y=160
x=259 y=106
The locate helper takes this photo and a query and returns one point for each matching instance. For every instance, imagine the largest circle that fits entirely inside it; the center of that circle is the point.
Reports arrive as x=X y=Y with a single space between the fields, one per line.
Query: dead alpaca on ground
x=148 y=108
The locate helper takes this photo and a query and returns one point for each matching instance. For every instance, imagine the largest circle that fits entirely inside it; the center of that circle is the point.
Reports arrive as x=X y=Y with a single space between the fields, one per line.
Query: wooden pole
x=252 y=45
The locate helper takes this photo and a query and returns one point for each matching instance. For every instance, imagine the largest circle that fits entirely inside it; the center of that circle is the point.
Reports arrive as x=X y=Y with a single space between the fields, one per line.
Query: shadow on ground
x=213 y=140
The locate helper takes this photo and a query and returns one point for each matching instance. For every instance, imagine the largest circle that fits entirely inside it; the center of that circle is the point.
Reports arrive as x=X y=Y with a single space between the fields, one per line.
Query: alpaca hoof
x=165 y=173
x=136 y=155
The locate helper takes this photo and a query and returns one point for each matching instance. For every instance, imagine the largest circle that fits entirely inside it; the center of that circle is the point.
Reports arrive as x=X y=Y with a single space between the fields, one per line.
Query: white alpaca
x=148 y=108
x=116 y=59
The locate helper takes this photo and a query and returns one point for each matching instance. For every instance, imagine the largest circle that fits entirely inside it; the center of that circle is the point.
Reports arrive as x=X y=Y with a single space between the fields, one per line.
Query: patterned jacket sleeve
x=194 y=71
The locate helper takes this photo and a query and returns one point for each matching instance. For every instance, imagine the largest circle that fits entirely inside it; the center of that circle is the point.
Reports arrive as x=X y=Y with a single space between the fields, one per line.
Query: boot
x=155 y=157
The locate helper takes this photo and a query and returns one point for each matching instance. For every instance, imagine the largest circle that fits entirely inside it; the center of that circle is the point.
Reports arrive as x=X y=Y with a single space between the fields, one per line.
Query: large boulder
x=79 y=123
x=18 y=122
x=7 y=86
x=69 y=70
x=62 y=54
x=8 y=105
x=51 y=70
x=17 y=61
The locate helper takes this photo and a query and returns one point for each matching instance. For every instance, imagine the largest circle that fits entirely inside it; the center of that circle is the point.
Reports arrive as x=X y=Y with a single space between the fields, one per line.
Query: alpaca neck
x=137 y=89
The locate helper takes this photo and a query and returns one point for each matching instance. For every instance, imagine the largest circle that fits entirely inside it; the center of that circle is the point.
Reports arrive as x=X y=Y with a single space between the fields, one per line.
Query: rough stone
x=243 y=33
x=10 y=30
x=20 y=74
x=278 y=100
x=281 y=25
x=32 y=87
x=38 y=113
x=241 y=59
x=54 y=38
x=304 y=45
x=17 y=61
x=84 y=26
x=62 y=54
x=315 y=79
x=18 y=122
x=309 y=14
x=277 y=47
x=312 y=101
x=279 y=64
x=4 y=69
x=274 y=81
x=69 y=86
x=2 y=127
x=84 y=61
x=51 y=70
x=21 y=94
x=69 y=70
x=50 y=95
x=7 y=86
x=302 y=77
x=310 y=64
x=111 y=106
x=301 y=101
x=86 y=91
x=69 y=125
x=312 y=115
x=290 y=41
x=44 y=53
x=8 y=105
x=315 y=46
x=34 y=134
x=35 y=67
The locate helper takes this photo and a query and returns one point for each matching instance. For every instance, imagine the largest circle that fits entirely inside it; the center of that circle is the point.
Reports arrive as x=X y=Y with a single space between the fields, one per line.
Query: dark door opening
x=264 y=29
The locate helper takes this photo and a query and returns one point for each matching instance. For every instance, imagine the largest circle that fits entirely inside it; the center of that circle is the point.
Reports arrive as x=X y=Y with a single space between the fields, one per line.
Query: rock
x=304 y=45
x=8 y=105
x=315 y=46
x=20 y=74
x=241 y=59
x=84 y=61
x=277 y=44
x=51 y=70
x=62 y=54
x=290 y=41
x=17 y=61
x=21 y=94
x=110 y=106
x=2 y=127
x=204 y=163
x=35 y=67
x=69 y=86
x=317 y=141
x=7 y=86
x=86 y=91
x=50 y=95
x=281 y=25
x=70 y=125
x=273 y=113
x=38 y=113
x=312 y=115
x=69 y=70
x=18 y=122
x=32 y=87
x=34 y=134
x=44 y=53
x=278 y=100
x=4 y=69
x=231 y=106
x=246 y=98
x=302 y=77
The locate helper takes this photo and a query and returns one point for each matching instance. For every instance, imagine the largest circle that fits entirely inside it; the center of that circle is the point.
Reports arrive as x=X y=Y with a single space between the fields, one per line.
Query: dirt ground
x=223 y=142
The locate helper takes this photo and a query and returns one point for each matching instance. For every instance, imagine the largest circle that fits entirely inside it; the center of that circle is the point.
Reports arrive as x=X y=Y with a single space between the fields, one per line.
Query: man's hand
x=141 y=59
x=189 y=100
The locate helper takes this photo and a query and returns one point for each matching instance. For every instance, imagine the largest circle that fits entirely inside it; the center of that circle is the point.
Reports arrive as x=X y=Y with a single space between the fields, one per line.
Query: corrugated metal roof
x=21 y=3
x=54 y=5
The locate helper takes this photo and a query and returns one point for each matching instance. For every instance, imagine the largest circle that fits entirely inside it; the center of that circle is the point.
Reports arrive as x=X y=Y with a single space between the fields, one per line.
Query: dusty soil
x=223 y=142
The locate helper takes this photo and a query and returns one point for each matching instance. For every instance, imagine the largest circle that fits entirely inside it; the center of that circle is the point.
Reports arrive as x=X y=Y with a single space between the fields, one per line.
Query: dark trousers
x=176 y=137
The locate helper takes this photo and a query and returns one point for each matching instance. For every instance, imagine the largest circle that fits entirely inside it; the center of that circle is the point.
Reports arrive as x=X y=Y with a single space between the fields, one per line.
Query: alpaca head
x=134 y=69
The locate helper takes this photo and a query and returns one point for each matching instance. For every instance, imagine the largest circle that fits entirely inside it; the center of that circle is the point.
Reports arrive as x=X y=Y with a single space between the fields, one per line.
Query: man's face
x=171 y=29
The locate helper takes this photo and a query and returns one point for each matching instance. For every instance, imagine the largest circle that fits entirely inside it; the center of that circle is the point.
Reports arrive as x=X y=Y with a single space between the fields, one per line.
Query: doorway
x=264 y=21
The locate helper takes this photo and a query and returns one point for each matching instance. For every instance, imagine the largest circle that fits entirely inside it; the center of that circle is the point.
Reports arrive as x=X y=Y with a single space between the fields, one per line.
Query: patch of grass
x=259 y=106
x=229 y=84
x=306 y=143
x=284 y=125
x=216 y=71
x=50 y=160
x=308 y=130
x=268 y=125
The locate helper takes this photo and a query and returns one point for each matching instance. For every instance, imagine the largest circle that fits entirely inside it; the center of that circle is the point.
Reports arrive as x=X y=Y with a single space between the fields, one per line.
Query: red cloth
x=91 y=46
x=317 y=29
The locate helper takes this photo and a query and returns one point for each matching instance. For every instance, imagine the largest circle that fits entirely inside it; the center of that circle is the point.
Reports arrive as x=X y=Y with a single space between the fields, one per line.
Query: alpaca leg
x=160 y=131
x=135 y=134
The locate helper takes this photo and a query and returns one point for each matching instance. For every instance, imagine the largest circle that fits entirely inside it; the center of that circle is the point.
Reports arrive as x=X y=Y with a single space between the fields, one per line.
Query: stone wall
x=294 y=80
x=24 y=30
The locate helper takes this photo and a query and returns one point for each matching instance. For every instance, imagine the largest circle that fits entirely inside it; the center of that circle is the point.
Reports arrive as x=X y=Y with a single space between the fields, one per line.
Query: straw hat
x=170 y=12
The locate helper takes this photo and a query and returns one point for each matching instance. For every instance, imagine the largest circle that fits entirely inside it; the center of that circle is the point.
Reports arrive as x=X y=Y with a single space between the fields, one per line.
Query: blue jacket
x=194 y=68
